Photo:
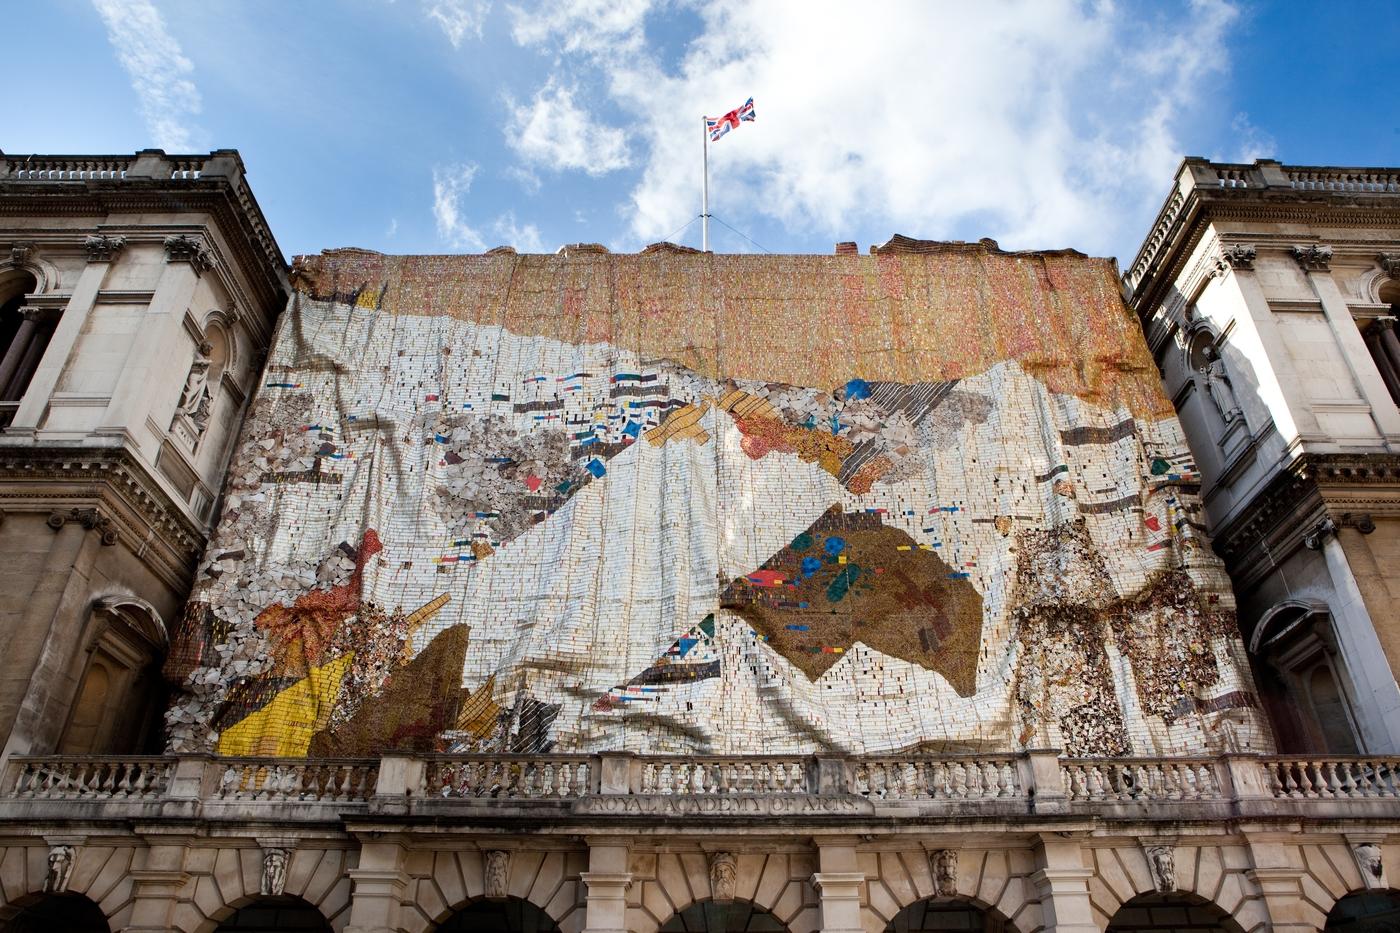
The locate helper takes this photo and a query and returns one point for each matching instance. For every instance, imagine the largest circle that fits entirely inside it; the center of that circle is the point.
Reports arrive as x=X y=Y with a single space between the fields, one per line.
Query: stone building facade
x=1268 y=294
x=1130 y=782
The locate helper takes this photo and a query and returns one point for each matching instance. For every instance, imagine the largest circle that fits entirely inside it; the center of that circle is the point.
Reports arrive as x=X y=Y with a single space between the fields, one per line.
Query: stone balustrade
x=1037 y=782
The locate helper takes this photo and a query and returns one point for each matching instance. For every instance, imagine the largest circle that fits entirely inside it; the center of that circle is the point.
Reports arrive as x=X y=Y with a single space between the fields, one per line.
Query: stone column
x=1278 y=872
x=1315 y=262
x=37 y=652
x=1390 y=346
x=1381 y=355
x=102 y=251
x=838 y=880
x=148 y=376
x=379 y=886
x=24 y=336
x=1377 y=705
x=607 y=880
x=1063 y=884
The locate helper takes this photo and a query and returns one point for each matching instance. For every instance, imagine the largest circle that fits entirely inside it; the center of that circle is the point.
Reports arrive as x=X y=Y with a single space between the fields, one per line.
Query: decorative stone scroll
x=60 y=869
x=944 y=863
x=724 y=876
x=1161 y=861
x=1313 y=258
x=496 y=871
x=185 y=248
x=103 y=248
x=274 y=872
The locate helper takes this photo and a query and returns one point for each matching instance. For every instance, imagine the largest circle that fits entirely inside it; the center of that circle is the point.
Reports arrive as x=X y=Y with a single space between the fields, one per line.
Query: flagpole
x=705 y=190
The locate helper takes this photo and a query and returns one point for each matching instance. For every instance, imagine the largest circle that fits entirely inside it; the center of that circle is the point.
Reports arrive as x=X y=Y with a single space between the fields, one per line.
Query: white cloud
x=393 y=227
x=458 y=18
x=554 y=132
x=160 y=73
x=450 y=186
x=1038 y=122
x=525 y=238
x=1251 y=142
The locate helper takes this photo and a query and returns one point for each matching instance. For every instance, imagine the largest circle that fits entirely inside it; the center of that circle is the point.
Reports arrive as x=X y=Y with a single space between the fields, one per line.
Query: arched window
x=24 y=333
x=276 y=915
x=45 y=913
x=510 y=915
x=1301 y=680
x=735 y=916
x=1176 y=911
x=1366 y=912
x=950 y=914
x=119 y=703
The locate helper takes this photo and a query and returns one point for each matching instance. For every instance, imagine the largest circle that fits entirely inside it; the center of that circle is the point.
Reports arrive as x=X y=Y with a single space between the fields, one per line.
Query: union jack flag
x=718 y=126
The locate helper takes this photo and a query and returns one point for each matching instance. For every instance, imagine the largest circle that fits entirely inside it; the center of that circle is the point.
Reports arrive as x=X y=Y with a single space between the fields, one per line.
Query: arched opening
x=508 y=915
x=1175 y=911
x=45 y=913
x=1301 y=680
x=23 y=336
x=723 y=917
x=121 y=695
x=941 y=913
x=276 y=915
x=1366 y=912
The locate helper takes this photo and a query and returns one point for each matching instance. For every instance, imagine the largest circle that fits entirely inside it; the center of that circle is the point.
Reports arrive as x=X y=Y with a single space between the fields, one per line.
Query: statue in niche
x=195 y=400
x=1218 y=384
x=274 y=873
x=60 y=868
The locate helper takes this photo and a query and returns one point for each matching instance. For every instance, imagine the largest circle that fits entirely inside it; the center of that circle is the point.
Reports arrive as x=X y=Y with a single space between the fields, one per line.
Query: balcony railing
x=584 y=786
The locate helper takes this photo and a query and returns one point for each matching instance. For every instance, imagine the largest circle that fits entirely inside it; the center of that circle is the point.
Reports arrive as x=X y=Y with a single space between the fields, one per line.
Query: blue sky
x=458 y=125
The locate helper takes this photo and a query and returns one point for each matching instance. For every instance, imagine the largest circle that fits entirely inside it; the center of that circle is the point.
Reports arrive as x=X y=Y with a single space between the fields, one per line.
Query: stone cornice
x=111 y=481
x=257 y=255
x=1314 y=487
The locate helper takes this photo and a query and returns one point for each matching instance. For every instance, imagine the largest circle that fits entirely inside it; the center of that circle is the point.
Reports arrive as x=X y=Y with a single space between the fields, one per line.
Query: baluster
x=989 y=779
x=1348 y=786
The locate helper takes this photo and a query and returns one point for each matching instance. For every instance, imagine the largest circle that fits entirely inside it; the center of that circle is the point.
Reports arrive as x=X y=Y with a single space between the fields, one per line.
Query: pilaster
x=379 y=884
x=156 y=887
x=1377 y=706
x=1316 y=264
x=1063 y=884
x=838 y=882
x=102 y=251
x=148 y=373
x=1293 y=416
x=607 y=880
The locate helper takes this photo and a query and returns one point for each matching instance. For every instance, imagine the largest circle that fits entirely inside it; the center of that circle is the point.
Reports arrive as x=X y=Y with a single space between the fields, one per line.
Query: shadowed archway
x=510 y=915
x=952 y=914
x=275 y=915
x=737 y=916
x=1366 y=912
x=1175 y=911
x=47 y=913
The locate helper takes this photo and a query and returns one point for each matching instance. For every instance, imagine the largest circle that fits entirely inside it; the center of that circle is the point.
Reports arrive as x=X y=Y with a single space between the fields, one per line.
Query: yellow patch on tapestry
x=284 y=727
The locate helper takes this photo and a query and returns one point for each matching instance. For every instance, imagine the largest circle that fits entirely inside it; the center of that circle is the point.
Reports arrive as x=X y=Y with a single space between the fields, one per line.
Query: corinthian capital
x=184 y=248
x=1238 y=255
x=1390 y=262
x=1313 y=258
x=103 y=248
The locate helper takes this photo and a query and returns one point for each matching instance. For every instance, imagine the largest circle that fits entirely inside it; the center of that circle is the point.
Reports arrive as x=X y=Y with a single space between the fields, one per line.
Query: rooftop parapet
x=1199 y=181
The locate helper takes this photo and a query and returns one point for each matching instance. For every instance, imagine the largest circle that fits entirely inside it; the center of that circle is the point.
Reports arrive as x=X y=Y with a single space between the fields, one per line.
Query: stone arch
x=1215 y=874
x=1373 y=910
x=1175 y=910
x=950 y=913
x=224 y=880
x=449 y=880
x=268 y=914
x=101 y=874
x=45 y=274
x=666 y=883
x=994 y=880
x=143 y=618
